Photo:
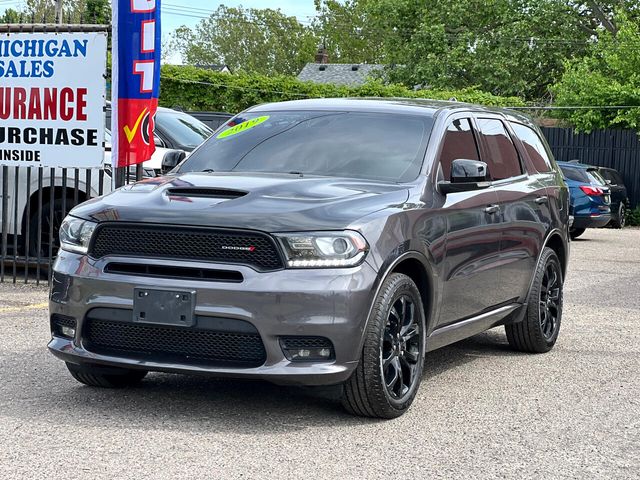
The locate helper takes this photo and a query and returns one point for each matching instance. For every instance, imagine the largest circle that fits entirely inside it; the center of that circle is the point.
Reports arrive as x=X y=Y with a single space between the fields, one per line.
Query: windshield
x=375 y=146
x=183 y=129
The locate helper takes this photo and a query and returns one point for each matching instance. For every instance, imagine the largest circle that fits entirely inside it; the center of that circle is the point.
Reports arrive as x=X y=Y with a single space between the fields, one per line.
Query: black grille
x=170 y=271
x=159 y=342
x=190 y=243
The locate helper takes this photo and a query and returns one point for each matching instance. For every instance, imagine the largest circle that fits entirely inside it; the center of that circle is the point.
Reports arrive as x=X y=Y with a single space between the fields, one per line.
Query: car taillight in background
x=592 y=191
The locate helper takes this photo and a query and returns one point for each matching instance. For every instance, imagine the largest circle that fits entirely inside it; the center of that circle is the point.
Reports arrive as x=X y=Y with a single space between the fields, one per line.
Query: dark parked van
x=320 y=242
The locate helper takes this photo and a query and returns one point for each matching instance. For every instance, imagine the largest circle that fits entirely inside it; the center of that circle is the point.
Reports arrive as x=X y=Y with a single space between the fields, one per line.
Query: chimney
x=322 y=56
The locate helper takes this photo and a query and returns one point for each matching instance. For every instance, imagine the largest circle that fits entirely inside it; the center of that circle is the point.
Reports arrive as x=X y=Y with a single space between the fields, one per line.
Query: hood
x=267 y=202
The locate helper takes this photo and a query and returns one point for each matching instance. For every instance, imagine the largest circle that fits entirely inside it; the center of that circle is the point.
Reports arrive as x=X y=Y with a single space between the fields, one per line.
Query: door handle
x=491 y=209
x=541 y=200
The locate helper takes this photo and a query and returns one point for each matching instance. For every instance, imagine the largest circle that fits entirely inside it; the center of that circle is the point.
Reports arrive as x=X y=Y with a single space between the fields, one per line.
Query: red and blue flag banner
x=135 y=79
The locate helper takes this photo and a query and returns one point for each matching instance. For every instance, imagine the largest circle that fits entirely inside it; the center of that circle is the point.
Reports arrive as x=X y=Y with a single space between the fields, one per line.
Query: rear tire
x=97 y=377
x=388 y=375
x=576 y=232
x=539 y=330
x=621 y=219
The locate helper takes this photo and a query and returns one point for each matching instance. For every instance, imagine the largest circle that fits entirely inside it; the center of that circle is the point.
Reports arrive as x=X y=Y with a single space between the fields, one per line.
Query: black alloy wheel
x=621 y=221
x=389 y=372
x=539 y=329
x=550 y=300
x=400 y=350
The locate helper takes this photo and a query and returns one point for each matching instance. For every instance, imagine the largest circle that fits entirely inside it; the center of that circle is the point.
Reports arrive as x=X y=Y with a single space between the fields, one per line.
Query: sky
x=176 y=13
x=188 y=12
x=171 y=19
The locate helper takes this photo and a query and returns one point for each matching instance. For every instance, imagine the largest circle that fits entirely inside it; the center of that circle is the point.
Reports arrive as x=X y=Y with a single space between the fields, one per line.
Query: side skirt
x=455 y=332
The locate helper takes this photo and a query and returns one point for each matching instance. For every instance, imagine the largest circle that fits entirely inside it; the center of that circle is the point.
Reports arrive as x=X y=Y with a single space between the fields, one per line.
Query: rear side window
x=534 y=146
x=576 y=174
x=595 y=177
x=613 y=176
x=458 y=142
x=503 y=158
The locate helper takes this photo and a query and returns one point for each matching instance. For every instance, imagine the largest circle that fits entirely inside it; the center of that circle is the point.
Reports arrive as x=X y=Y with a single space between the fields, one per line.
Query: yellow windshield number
x=243 y=127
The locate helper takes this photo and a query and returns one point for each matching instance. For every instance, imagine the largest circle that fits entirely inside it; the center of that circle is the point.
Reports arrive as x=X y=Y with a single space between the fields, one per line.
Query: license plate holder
x=164 y=307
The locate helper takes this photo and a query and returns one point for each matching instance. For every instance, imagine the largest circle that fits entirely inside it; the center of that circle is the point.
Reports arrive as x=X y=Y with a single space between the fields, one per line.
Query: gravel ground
x=483 y=411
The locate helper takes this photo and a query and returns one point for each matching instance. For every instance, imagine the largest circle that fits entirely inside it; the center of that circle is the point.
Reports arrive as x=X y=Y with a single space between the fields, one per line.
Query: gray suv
x=320 y=242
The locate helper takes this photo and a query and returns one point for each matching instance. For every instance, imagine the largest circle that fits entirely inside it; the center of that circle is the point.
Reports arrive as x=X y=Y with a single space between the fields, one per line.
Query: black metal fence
x=34 y=202
x=619 y=149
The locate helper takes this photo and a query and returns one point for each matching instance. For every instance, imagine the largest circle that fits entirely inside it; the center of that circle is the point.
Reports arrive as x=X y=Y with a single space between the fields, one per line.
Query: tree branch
x=602 y=16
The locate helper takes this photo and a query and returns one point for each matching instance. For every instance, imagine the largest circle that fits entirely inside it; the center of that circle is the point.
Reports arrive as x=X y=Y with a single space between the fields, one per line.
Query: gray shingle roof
x=338 y=73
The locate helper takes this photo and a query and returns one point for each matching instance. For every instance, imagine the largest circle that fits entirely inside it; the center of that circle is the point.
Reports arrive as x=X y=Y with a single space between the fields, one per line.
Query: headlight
x=75 y=234
x=323 y=249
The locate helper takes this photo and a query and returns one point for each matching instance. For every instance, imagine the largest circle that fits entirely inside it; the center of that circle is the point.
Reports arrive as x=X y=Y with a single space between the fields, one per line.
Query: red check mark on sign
x=130 y=133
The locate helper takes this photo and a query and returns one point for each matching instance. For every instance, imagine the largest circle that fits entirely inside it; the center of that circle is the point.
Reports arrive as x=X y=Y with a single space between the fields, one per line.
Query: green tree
x=73 y=11
x=507 y=47
x=97 y=11
x=608 y=76
x=346 y=31
x=253 y=40
x=10 y=16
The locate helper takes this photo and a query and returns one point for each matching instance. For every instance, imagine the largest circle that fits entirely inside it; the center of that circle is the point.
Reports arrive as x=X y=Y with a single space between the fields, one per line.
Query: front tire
x=388 y=375
x=95 y=376
x=539 y=330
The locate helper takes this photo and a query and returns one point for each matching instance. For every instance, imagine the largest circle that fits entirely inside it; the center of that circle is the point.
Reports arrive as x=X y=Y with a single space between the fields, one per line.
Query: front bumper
x=330 y=303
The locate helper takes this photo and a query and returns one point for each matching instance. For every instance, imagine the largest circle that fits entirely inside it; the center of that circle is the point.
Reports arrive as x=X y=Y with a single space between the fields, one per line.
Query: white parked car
x=30 y=215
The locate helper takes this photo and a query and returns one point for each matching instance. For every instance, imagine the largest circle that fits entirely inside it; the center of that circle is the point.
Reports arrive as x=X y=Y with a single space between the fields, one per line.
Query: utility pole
x=58 y=11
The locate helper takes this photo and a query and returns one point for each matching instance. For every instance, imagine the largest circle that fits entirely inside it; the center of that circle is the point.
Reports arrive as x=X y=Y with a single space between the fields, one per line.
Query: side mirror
x=171 y=160
x=463 y=171
x=466 y=175
x=608 y=182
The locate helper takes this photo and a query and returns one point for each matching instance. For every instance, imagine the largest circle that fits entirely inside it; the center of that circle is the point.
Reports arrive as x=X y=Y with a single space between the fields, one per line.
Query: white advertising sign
x=52 y=99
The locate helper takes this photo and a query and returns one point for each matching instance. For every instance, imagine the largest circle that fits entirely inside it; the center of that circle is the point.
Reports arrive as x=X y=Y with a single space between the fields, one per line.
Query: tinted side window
x=579 y=175
x=458 y=142
x=613 y=176
x=534 y=147
x=503 y=158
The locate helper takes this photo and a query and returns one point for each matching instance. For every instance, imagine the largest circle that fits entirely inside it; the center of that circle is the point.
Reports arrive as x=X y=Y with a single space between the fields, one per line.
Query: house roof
x=338 y=73
x=215 y=67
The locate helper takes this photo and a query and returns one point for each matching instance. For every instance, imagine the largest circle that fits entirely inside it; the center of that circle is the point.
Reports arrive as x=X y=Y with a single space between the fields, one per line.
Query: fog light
x=63 y=326
x=67 y=331
x=307 y=349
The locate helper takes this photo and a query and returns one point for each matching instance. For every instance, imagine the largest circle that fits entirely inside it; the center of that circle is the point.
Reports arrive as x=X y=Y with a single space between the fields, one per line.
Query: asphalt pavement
x=483 y=411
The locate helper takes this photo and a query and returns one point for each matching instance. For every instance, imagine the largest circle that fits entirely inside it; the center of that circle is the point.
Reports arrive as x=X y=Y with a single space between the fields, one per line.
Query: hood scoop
x=204 y=192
